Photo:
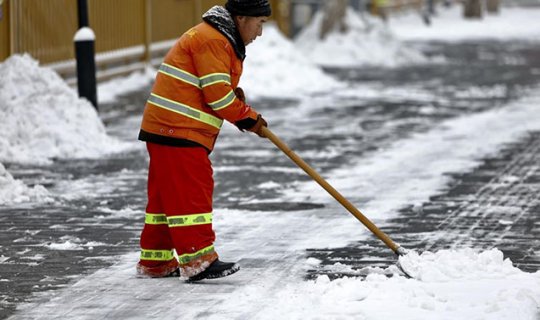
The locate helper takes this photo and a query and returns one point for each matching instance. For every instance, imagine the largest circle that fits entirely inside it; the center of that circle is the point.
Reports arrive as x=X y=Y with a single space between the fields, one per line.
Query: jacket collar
x=219 y=18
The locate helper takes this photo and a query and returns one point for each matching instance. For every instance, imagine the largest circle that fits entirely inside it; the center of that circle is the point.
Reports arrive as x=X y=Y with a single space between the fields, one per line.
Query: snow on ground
x=448 y=25
x=371 y=42
x=109 y=91
x=43 y=118
x=410 y=170
x=15 y=191
x=368 y=41
x=275 y=68
x=454 y=285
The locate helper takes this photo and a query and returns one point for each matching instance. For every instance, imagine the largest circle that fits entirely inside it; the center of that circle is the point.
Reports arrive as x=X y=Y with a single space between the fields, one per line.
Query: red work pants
x=179 y=212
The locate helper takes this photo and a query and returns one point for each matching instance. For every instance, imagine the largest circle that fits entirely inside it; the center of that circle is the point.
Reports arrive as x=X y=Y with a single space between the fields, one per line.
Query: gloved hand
x=258 y=125
x=240 y=94
x=253 y=125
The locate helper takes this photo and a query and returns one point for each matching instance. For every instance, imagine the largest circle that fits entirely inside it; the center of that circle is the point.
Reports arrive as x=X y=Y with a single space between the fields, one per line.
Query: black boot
x=217 y=269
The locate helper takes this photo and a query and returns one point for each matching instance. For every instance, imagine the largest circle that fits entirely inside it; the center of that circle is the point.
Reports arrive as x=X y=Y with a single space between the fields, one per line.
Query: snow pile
x=447 y=265
x=449 y=25
x=453 y=285
x=273 y=61
x=15 y=191
x=366 y=42
x=43 y=118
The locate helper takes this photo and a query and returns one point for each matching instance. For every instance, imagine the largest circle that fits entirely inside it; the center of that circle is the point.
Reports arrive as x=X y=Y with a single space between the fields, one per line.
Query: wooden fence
x=128 y=32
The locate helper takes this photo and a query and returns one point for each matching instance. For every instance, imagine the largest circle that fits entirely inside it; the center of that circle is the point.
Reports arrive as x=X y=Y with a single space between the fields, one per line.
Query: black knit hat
x=250 y=8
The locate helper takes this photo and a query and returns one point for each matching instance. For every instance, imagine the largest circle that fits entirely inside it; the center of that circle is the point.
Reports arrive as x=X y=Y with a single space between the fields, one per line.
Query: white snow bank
x=452 y=285
x=275 y=68
x=449 y=25
x=448 y=265
x=368 y=41
x=43 y=118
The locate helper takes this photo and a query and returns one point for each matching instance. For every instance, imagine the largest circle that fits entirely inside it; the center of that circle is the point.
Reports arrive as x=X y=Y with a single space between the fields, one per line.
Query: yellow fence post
x=11 y=24
x=5 y=30
x=147 y=31
x=13 y=19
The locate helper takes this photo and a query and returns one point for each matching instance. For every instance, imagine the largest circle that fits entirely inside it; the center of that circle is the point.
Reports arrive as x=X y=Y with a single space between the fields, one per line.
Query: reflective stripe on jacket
x=194 y=90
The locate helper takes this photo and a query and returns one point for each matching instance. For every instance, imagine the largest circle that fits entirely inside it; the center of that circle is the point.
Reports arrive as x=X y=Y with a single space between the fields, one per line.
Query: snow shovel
x=398 y=250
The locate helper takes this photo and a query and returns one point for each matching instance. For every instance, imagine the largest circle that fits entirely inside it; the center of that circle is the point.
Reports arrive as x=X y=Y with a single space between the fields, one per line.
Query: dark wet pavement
x=106 y=223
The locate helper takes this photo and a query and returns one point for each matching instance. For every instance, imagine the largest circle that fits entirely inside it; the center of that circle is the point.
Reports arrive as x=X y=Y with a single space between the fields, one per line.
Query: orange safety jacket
x=194 y=91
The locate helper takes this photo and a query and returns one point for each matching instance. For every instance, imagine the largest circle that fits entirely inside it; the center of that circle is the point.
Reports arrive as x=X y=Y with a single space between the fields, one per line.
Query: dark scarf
x=219 y=18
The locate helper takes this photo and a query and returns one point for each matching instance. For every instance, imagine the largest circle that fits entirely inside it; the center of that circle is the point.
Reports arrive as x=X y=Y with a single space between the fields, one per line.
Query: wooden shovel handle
x=333 y=192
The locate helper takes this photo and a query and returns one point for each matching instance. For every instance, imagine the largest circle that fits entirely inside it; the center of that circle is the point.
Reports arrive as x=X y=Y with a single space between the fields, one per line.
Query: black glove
x=253 y=125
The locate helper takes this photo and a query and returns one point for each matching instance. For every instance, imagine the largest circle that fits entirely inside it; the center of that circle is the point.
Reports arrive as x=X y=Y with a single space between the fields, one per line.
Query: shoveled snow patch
x=454 y=284
x=447 y=265
x=43 y=118
x=367 y=41
x=274 y=67
x=15 y=191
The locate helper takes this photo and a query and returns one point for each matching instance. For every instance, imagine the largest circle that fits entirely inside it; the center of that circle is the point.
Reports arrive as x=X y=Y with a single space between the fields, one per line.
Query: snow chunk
x=67 y=245
x=275 y=68
x=43 y=118
x=368 y=41
x=269 y=185
x=73 y=243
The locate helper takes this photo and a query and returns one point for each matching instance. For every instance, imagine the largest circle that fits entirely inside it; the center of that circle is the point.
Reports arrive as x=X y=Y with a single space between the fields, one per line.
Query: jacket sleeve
x=213 y=65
